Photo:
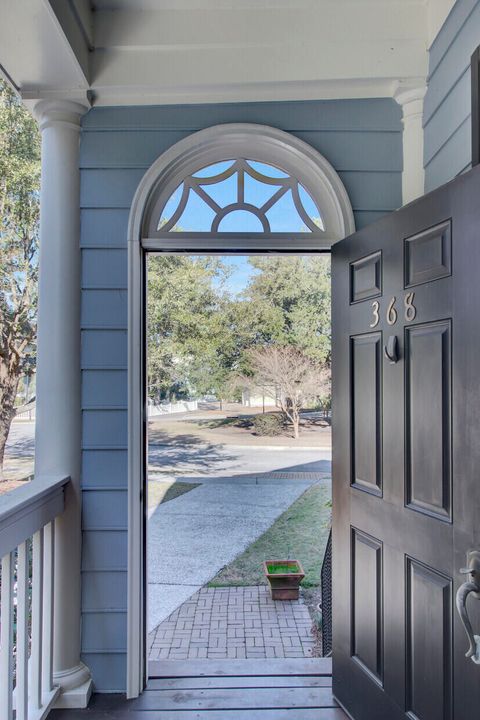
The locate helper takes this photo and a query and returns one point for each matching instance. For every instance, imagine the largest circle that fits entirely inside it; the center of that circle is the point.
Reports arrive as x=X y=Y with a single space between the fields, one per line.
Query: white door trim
x=202 y=148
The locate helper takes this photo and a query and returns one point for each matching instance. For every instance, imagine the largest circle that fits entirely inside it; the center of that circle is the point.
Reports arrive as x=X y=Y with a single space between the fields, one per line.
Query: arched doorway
x=226 y=153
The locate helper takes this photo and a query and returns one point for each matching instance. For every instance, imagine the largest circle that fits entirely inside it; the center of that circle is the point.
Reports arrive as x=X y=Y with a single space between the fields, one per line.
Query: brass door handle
x=472 y=586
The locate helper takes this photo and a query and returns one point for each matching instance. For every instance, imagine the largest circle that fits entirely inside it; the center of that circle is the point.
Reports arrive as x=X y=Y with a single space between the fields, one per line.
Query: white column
x=413 y=177
x=58 y=407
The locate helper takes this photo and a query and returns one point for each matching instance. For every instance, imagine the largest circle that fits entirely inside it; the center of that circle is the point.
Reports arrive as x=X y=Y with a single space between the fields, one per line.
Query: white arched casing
x=207 y=147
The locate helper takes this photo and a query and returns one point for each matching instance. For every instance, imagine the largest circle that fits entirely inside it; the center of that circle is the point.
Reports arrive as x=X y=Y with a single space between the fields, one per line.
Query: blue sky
x=241 y=272
x=198 y=216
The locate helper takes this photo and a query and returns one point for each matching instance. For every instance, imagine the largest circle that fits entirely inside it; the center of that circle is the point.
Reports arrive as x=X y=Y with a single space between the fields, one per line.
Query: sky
x=282 y=216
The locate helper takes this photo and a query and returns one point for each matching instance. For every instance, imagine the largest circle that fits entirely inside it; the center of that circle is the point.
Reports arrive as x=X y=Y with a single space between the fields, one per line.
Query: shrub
x=269 y=424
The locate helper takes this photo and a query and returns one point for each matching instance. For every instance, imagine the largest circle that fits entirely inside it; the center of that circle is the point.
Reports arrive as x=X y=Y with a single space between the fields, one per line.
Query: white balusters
x=23 y=638
x=37 y=621
x=48 y=578
x=6 y=638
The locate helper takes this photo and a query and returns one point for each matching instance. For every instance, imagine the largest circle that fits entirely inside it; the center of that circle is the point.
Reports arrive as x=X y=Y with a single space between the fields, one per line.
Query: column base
x=76 y=687
x=76 y=699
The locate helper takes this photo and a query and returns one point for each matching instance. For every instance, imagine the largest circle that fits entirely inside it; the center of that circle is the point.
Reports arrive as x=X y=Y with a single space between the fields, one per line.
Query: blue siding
x=363 y=141
x=447 y=103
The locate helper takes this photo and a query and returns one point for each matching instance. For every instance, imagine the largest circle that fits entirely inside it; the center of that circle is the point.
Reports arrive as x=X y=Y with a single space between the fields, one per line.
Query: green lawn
x=300 y=533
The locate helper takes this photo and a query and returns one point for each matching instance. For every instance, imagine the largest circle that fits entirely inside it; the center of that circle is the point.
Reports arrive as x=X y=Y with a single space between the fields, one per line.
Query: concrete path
x=193 y=536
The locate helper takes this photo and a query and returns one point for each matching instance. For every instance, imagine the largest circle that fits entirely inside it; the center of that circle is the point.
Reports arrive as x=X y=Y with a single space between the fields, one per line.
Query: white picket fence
x=168 y=408
x=25 y=412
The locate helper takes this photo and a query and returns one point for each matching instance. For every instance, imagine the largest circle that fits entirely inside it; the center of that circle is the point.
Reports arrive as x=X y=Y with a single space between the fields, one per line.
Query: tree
x=187 y=325
x=287 y=302
x=295 y=376
x=19 y=216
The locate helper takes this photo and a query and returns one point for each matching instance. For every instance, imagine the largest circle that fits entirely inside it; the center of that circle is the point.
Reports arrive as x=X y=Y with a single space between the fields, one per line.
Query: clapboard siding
x=104 y=551
x=108 y=669
x=104 y=309
x=104 y=389
x=104 y=349
x=104 y=429
x=363 y=141
x=378 y=114
x=106 y=589
x=447 y=107
x=103 y=631
x=104 y=227
x=104 y=509
x=104 y=268
x=133 y=150
x=104 y=468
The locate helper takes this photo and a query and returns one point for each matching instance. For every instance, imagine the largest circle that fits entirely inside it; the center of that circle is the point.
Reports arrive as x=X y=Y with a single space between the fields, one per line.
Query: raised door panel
x=428 y=643
x=366 y=414
x=428 y=255
x=428 y=418
x=367 y=603
x=366 y=278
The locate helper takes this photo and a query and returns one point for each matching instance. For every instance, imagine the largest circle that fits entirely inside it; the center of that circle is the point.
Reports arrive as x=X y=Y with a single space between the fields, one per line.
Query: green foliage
x=288 y=303
x=186 y=326
x=270 y=424
x=19 y=215
x=199 y=335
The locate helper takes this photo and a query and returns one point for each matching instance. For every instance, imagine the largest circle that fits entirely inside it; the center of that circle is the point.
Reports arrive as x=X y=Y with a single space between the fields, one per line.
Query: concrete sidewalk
x=193 y=536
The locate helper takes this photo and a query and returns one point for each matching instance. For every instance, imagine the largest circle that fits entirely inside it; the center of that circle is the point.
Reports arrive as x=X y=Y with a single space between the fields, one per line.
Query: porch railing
x=27 y=528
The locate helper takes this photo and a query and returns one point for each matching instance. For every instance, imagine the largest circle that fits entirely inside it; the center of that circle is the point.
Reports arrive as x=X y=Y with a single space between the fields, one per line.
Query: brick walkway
x=236 y=622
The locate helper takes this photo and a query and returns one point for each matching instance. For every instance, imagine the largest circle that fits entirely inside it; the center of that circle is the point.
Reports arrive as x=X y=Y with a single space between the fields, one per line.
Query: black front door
x=406 y=458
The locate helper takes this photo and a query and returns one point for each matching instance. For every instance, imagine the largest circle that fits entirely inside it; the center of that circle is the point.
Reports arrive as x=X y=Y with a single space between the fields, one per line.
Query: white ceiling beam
x=343 y=21
x=35 y=53
x=326 y=49
x=213 y=51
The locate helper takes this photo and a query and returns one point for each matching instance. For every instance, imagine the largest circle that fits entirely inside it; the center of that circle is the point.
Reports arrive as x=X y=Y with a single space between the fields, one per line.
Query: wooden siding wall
x=361 y=138
x=447 y=102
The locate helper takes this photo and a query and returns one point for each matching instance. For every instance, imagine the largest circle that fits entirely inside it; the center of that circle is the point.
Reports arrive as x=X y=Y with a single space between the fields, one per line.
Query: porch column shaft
x=413 y=177
x=58 y=407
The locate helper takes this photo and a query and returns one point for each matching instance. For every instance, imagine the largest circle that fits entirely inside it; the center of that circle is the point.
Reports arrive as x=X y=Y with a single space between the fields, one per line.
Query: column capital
x=411 y=100
x=66 y=113
x=410 y=97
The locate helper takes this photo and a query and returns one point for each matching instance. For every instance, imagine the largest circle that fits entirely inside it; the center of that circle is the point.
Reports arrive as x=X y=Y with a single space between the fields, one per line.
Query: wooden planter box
x=284 y=585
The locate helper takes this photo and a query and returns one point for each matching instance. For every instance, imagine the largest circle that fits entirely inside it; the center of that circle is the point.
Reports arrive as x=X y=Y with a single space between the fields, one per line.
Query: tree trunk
x=296 y=424
x=9 y=387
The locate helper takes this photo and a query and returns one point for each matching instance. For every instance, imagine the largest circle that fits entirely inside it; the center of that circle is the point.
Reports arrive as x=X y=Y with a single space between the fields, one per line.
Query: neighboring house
x=362 y=105
x=259 y=397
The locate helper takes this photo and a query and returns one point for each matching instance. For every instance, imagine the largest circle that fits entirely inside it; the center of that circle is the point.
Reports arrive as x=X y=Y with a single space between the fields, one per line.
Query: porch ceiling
x=160 y=51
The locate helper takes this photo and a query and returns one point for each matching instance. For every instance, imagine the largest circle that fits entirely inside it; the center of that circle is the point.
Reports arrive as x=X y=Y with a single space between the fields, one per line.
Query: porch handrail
x=27 y=541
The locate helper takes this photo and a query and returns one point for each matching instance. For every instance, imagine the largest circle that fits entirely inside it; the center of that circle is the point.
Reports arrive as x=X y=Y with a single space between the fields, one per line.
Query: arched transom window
x=244 y=186
x=240 y=196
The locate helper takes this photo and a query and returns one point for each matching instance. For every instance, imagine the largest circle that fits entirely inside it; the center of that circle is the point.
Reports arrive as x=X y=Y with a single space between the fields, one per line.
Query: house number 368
x=391 y=314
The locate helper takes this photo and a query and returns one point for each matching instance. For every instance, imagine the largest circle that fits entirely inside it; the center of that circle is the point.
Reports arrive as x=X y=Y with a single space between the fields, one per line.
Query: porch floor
x=286 y=689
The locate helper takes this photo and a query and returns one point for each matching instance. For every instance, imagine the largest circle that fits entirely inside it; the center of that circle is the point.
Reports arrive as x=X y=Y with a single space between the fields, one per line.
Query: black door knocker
x=391 y=349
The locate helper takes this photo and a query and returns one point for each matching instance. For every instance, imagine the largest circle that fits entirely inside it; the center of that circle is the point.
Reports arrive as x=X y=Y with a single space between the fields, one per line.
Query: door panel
x=427 y=418
x=367 y=601
x=406 y=457
x=428 y=255
x=366 y=398
x=429 y=645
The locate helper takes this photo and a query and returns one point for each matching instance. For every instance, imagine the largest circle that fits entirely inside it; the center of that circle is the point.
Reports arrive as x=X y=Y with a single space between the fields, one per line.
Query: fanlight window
x=239 y=196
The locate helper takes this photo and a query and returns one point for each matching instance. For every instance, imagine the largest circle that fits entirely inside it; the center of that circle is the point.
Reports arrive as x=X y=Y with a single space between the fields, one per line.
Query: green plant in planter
x=284 y=578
